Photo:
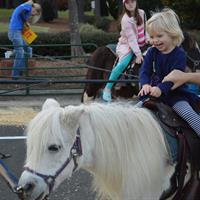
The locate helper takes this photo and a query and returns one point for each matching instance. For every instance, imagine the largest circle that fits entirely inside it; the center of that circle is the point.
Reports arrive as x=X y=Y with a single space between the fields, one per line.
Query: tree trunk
x=75 y=39
x=103 y=8
x=81 y=16
x=49 y=10
x=55 y=8
x=97 y=8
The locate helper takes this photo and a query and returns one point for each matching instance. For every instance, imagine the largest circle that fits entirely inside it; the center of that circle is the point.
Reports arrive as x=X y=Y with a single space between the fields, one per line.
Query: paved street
x=77 y=188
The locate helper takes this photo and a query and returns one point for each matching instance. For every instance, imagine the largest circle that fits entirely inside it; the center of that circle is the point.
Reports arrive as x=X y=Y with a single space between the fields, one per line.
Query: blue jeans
x=21 y=50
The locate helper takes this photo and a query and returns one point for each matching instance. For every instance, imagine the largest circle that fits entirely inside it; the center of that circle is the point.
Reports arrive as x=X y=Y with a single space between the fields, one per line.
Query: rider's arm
x=146 y=69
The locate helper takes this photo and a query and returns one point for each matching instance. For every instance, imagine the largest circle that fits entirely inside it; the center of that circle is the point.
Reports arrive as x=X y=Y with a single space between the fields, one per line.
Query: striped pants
x=186 y=112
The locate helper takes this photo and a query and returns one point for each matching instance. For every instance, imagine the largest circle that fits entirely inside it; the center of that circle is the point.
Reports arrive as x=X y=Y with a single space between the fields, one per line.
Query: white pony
x=122 y=146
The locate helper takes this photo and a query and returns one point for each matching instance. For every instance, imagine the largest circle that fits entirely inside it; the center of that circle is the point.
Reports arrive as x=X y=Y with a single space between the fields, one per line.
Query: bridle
x=196 y=63
x=75 y=152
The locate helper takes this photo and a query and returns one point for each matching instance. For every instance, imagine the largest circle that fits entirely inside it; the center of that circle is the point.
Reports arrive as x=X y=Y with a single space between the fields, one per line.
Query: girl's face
x=130 y=5
x=162 y=41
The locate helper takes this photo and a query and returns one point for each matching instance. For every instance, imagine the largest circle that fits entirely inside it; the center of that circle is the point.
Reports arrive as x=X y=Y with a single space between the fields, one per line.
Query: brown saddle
x=188 y=151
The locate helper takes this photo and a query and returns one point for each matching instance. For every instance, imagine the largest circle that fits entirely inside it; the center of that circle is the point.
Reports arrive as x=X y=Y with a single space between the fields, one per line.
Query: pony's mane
x=122 y=134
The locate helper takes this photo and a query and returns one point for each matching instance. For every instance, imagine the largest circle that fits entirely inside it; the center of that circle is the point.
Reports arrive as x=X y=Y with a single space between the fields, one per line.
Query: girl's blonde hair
x=167 y=21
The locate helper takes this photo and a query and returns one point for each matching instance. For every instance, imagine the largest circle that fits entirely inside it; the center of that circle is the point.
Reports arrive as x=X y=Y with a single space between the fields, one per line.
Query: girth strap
x=181 y=167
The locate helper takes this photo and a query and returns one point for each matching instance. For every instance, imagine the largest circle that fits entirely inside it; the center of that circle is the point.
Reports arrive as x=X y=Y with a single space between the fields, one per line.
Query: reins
x=8 y=176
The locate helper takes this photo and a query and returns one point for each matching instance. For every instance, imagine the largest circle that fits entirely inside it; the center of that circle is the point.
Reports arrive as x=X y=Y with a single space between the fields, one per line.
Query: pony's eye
x=54 y=147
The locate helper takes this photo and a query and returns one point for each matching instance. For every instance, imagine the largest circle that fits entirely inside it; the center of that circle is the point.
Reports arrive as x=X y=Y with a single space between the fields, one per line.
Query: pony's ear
x=72 y=115
x=50 y=103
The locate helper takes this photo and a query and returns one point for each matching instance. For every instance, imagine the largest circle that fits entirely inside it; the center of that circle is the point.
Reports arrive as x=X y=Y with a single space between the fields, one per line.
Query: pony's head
x=52 y=152
x=192 y=50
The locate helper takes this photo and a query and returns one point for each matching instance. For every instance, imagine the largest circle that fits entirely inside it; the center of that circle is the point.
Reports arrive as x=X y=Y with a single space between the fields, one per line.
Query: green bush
x=98 y=38
x=188 y=11
x=88 y=28
x=102 y=23
x=99 y=22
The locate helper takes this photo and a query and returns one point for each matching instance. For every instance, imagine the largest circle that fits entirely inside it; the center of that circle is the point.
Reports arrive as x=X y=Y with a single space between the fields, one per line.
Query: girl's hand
x=148 y=41
x=155 y=92
x=139 y=59
x=146 y=89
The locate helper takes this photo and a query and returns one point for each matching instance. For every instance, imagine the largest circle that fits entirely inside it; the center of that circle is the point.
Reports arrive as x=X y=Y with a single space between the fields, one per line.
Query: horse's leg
x=129 y=90
x=100 y=64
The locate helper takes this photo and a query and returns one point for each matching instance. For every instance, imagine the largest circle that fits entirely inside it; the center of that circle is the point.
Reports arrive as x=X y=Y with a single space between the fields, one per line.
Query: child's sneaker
x=107 y=96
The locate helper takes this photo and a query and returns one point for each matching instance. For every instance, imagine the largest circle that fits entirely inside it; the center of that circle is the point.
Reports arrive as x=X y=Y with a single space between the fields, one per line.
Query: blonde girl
x=166 y=55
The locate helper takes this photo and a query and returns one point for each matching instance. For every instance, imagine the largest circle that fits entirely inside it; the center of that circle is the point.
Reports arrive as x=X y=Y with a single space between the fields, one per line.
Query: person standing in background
x=28 y=12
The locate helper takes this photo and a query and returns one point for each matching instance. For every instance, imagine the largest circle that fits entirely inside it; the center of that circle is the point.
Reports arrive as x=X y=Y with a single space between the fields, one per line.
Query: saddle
x=188 y=151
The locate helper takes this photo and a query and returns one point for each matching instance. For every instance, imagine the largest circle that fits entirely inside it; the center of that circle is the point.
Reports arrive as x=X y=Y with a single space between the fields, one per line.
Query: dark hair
x=137 y=16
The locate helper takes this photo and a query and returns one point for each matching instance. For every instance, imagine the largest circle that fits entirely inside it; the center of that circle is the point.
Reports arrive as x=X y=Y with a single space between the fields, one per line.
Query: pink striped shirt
x=141 y=36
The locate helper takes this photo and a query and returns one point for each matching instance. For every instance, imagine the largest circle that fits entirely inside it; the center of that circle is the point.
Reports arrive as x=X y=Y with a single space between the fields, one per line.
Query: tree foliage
x=49 y=10
x=114 y=7
x=188 y=11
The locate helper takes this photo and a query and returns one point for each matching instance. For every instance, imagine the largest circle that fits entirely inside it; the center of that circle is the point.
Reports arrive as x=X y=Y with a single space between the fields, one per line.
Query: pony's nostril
x=28 y=187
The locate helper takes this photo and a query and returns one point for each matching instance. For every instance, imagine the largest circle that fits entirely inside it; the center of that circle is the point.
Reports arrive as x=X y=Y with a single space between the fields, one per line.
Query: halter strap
x=75 y=152
x=195 y=62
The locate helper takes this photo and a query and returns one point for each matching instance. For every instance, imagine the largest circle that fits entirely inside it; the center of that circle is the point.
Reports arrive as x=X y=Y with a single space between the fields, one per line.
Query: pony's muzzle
x=24 y=190
x=28 y=187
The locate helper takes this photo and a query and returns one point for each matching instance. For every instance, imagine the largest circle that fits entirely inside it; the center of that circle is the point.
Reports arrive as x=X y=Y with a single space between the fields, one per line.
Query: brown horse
x=103 y=59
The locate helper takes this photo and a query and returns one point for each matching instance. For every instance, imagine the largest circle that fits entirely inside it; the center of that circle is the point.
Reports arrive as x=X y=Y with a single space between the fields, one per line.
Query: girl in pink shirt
x=132 y=37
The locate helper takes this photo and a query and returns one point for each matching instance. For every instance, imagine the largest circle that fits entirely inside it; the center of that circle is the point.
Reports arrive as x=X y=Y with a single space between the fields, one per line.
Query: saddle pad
x=172 y=146
x=170 y=141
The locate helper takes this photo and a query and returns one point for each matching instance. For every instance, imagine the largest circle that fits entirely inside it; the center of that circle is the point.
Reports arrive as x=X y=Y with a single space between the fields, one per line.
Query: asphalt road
x=78 y=187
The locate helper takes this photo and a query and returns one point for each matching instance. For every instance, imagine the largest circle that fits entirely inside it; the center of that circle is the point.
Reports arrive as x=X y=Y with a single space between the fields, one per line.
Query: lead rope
x=9 y=177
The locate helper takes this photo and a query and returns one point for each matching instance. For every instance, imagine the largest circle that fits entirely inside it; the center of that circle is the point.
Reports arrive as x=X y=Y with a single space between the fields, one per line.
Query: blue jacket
x=157 y=65
x=19 y=16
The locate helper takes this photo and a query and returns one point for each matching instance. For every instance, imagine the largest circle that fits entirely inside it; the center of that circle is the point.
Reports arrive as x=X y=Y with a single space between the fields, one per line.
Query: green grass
x=63 y=14
x=40 y=29
x=6 y=13
x=3 y=27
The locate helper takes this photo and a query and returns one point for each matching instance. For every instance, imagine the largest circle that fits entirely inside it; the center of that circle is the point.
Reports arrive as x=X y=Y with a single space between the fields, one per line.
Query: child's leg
x=116 y=72
x=119 y=68
x=184 y=110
